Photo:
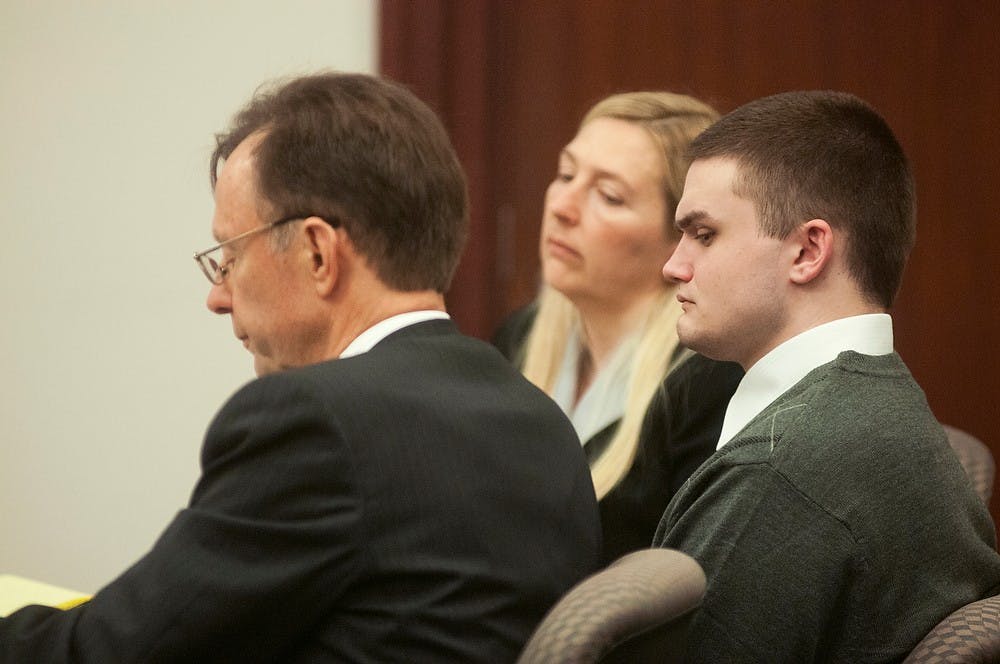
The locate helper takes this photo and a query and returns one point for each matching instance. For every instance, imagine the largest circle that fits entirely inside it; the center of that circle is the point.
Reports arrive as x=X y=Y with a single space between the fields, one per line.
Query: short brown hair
x=824 y=155
x=367 y=153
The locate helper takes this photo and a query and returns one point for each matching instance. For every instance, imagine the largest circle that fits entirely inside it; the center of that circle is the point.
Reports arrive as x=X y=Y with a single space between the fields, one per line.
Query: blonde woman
x=601 y=337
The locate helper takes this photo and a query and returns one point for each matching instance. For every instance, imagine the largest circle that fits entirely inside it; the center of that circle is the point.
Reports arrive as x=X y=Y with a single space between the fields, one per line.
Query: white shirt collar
x=788 y=363
x=365 y=341
x=604 y=400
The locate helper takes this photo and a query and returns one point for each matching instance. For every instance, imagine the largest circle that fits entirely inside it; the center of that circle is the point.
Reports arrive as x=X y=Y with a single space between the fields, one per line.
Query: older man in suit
x=388 y=489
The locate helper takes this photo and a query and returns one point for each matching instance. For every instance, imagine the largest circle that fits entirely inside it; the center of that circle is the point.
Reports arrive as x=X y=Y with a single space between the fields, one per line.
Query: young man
x=834 y=523
x=389 y=490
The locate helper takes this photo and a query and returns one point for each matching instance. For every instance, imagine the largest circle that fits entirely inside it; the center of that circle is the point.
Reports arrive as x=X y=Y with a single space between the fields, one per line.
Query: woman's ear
x=813 y=241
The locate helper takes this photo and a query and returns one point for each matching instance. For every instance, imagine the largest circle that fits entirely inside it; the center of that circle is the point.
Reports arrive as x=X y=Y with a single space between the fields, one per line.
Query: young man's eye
x=704 y=236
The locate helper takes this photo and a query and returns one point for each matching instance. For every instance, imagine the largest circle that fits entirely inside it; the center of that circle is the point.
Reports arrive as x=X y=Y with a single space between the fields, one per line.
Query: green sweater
x=837 y=526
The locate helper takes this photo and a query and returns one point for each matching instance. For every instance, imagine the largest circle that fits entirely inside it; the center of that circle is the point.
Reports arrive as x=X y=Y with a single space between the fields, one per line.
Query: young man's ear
x=323 y=244
x=814 y=242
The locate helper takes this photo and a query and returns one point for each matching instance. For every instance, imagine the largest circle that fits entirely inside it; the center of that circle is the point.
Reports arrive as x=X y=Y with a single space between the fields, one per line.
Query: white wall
x=110 y=365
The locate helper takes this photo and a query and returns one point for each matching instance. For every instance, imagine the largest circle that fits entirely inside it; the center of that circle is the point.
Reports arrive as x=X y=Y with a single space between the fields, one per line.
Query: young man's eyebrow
x=690 y=218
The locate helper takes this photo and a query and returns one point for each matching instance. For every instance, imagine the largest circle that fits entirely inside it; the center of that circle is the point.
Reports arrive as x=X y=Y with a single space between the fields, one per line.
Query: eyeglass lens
x=211 y=269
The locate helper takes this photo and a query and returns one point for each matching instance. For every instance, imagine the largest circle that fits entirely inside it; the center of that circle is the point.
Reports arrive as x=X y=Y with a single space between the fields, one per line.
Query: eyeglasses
x=217 y=273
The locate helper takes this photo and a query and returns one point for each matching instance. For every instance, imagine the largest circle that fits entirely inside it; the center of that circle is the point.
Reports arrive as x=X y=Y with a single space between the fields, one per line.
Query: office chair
x=969 y=635
x=976 y=459
x=635 y=610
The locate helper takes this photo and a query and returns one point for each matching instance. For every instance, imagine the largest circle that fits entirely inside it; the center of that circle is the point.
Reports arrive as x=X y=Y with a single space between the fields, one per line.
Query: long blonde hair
x=672 y=121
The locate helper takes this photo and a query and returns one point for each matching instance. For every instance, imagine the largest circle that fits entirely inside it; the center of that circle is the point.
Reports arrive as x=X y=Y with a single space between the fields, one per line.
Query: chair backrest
x=637 y=604
x=975 y=458
x=969 y=635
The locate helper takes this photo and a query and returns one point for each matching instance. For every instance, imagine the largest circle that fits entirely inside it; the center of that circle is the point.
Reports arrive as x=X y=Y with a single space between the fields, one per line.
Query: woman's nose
x=563 y=202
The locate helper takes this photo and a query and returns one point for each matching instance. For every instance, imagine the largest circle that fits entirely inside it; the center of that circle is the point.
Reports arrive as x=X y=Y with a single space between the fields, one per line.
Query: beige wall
x=110 y=366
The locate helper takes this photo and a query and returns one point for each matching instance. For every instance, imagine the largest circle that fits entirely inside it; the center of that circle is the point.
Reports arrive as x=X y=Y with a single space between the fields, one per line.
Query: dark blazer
x=680 y=431
x=418 y=503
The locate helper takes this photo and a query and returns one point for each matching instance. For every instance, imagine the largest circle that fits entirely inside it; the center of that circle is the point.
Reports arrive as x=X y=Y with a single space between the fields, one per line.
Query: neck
x=604 y=327
x=354 y=316
x=811 y=312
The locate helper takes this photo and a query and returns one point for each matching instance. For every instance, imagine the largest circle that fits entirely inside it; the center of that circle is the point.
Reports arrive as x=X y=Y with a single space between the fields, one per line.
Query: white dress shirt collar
x=365 y=341
x=789 y=362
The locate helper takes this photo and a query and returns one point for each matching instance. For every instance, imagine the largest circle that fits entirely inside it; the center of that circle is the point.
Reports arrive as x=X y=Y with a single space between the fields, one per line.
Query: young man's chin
x=697 y=341
x=686 y=333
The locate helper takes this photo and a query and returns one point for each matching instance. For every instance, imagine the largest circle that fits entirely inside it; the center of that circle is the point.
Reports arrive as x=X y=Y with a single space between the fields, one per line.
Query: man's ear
x=324 y=246
x=814 y=243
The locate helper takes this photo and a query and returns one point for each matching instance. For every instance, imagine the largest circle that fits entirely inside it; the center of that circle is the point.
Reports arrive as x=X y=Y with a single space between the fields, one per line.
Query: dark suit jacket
x=420 y=502
x=680 y=431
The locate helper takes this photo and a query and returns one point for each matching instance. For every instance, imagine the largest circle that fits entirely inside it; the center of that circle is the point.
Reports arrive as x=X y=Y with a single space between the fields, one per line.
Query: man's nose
x=219 y=299
x=678 y=267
